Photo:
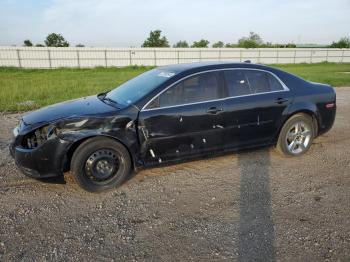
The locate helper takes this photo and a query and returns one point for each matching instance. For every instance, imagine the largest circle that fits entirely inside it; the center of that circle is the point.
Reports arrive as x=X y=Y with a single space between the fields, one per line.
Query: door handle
x=214 y=110
x=281 y=100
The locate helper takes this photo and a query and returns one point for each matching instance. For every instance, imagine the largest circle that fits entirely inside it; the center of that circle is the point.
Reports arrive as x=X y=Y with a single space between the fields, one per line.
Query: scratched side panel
x=120 y=126
x=175 y=133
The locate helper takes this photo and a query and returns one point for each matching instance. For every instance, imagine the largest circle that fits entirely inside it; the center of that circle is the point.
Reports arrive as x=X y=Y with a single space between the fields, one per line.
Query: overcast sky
x=124 y=23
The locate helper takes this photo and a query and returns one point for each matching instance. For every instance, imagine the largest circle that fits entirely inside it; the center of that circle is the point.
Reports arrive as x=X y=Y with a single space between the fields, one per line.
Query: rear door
x=184 y=120
x=254 y=107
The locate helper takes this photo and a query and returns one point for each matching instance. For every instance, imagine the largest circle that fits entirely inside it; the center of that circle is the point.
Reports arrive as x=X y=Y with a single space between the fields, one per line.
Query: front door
x=184 y=120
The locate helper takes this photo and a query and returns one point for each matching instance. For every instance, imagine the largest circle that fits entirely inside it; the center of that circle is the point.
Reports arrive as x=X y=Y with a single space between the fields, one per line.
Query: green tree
x=27 y=42
x=181 y=44
x=228 y=45
x=252 y=41
x=200 y=43
x=56 y=40
x=343 y=42
x=79 y=45
x=218 y=44
x=39 y=45
x=155 y=40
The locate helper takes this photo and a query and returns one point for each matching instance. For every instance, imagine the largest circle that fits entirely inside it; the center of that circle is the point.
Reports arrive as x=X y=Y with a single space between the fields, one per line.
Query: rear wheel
x=296 y=135
x=100 y=163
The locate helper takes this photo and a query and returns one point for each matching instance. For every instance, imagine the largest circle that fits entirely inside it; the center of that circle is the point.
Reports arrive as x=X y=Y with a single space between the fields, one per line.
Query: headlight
x=15 y=131
x=39 y=136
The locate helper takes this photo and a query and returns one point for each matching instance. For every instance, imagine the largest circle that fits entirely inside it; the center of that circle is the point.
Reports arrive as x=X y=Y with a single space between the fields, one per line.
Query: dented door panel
x=171 y=133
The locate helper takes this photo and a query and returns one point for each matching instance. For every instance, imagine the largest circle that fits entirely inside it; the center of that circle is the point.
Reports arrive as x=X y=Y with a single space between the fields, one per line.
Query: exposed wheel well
x=76 y=144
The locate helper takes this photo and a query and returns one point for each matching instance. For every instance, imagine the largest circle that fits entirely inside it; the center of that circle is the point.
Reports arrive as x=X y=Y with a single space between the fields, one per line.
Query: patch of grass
x=27 y=89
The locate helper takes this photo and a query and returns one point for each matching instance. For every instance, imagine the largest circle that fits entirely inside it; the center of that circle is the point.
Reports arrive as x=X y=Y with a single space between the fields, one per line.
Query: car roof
x=179 y=68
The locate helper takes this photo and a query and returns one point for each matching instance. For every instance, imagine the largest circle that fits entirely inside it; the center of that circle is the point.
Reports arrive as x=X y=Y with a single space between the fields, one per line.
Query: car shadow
x=256 y=227
x=59 y=180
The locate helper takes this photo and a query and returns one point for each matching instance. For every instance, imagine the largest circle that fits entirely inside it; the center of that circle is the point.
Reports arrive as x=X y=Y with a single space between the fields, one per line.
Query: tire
x=100 y=164
x=296 y=135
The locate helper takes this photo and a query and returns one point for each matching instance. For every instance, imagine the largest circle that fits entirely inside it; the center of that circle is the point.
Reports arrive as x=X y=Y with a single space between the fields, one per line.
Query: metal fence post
x=105 y=51
x=327 y=55
x=278 y=54
x=342 y=56
x=49 y=55
x=78 y=58
x=259 y=57
x=19 y=58
x=240 y=55
x=311 y=56
x=295 y=54
x=155 y=57
x=220 y=55
x=200 y=55
x=130 y=63
x=178 y=56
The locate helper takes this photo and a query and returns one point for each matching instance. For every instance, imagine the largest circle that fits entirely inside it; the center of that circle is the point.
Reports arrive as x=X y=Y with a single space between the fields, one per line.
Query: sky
x=125 y=23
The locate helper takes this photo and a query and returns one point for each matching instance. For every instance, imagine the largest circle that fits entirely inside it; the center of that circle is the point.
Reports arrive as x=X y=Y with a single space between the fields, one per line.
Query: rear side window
x=202 y=87
x=245 y=82
x=258 y=81
x=237 y=83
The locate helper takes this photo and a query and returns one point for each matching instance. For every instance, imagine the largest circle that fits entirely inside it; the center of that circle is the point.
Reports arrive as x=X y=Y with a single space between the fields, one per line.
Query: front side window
x=246 y=82
x=198 y=88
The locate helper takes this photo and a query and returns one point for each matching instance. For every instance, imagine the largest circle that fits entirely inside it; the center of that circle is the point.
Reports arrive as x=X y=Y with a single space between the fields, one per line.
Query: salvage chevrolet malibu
x=172 y=113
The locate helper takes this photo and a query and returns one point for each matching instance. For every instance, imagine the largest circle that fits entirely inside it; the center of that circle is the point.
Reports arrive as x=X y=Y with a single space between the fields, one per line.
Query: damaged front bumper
x=47 y=160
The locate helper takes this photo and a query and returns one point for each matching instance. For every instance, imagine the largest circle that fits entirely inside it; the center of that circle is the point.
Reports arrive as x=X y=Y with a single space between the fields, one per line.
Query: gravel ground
x=254 y=205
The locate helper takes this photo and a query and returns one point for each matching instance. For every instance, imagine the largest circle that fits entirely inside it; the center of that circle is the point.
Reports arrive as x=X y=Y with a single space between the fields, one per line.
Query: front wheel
x=296 y=135
x=100 y=163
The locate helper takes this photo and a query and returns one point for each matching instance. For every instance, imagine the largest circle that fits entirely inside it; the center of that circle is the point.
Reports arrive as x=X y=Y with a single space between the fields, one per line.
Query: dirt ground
x=250 y=206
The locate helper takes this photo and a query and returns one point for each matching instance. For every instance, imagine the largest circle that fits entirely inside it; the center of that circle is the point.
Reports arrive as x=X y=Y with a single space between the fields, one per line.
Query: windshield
x=136 y=88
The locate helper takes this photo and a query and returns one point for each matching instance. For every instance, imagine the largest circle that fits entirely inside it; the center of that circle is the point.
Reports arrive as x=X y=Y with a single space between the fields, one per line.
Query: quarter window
x=202 y=87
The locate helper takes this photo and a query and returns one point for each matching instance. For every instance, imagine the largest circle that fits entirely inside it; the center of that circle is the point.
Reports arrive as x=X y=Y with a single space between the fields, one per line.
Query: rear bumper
x=327 y=120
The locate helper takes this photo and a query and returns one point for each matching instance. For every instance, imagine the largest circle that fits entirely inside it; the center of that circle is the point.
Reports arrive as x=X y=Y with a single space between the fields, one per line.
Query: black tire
x=100 y=163
x=284 y=146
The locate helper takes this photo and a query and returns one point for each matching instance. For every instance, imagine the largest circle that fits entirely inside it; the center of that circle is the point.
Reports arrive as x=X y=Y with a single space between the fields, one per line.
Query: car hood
x=86 y=106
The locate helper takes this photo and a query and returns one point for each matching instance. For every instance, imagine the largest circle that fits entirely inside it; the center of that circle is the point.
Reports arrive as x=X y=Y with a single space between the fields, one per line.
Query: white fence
x=84 y=57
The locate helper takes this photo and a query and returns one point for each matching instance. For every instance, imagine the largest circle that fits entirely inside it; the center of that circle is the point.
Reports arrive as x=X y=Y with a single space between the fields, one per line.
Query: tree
x=56 y=40
x=181 y=44
x=200 y=43
x=155 y=40
x=27 y=42
x=218 y=44
x=228 y=45
x=79 y=45
x=252 y=41
x=39 y=45
x=343 y=42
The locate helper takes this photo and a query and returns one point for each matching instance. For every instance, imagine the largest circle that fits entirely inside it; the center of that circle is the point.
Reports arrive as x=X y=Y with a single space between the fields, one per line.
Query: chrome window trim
x=285 y=88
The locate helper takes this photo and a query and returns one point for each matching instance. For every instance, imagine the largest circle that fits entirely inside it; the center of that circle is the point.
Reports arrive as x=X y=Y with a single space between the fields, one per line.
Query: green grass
x=24 y=89
x=328 y=73
x=45 y=87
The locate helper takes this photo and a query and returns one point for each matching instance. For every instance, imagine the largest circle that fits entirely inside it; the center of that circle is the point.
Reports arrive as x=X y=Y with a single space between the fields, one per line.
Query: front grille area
x=36 y=138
